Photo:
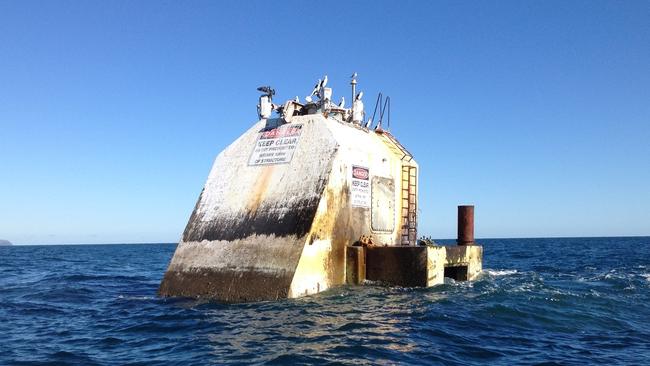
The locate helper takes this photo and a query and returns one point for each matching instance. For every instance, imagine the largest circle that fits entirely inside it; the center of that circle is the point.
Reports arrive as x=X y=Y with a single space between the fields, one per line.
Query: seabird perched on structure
x=267 y=90
x=354 y=76
x=316 y=88
x=357 y=109
x=368 y=123
x=297 y=100
x=324 y=82
x=342 y=104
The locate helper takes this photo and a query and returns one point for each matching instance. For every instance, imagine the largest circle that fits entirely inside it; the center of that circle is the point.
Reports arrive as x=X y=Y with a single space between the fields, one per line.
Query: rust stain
x=341 y=235
x=342 y=226
x=259 y=189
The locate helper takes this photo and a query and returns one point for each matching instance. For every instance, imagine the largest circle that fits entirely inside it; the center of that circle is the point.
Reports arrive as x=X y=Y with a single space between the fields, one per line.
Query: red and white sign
x=276 y=146
x=360 y=172
x=284 y=131
x=360 y=187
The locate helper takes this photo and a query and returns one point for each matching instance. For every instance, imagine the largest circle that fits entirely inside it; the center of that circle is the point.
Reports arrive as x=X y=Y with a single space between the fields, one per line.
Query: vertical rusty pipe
x=465 y=225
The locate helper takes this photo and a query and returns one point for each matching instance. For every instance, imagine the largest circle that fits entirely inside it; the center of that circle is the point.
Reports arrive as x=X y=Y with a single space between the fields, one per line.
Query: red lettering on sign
x=360 y=172
x=286 y=132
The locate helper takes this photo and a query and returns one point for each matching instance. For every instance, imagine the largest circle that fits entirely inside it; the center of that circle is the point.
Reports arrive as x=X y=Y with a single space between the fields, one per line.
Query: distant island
x=4 y=242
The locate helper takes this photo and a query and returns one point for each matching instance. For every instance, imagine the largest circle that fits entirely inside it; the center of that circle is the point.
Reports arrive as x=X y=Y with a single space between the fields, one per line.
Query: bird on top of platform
x=324 y=82
x=297 y=100
x=267 y=90
x=368 y=123
x=359 y=96
x=342 y=103
x=316 y=88
x=354 y=76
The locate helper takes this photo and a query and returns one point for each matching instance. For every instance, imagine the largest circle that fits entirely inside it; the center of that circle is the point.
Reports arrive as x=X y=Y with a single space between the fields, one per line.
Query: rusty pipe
x=465 y=225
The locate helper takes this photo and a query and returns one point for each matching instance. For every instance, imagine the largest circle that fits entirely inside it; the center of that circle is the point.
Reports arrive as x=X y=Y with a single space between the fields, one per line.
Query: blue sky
x=537 y=112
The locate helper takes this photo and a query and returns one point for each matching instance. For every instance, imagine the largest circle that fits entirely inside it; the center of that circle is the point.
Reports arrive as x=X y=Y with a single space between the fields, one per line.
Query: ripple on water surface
x=563 y=301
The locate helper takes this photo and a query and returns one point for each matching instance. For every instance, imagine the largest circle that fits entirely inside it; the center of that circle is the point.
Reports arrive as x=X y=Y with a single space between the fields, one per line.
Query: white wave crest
x=502 y=272
x=135 y=297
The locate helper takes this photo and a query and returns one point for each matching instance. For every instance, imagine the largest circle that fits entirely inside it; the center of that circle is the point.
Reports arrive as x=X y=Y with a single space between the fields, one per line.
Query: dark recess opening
x=458 y=273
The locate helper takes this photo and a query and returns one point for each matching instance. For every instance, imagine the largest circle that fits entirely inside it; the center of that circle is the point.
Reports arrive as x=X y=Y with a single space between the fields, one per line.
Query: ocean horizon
x=440 y=241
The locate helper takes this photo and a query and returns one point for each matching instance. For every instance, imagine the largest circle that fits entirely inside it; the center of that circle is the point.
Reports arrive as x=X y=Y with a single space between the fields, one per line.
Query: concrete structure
x=422 y=266
x=284 y=203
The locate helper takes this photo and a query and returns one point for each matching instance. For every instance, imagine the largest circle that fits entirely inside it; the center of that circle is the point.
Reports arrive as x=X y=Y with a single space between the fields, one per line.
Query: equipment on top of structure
x=358 y=112
x=382 y=104
x=265 y=106
x=285 y=204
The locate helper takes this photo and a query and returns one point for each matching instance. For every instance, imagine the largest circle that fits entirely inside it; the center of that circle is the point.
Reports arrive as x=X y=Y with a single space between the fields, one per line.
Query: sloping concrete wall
x=274 y=231
x=246 y=234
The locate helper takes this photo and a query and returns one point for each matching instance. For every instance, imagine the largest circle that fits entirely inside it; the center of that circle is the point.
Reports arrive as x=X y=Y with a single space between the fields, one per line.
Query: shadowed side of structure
x=246 y=235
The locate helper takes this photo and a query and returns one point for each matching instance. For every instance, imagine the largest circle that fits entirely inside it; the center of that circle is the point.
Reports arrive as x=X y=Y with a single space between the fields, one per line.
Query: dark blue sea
x=569 y=301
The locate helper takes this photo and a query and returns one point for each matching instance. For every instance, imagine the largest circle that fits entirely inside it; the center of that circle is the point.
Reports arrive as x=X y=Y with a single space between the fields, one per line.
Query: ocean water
x=569 y=301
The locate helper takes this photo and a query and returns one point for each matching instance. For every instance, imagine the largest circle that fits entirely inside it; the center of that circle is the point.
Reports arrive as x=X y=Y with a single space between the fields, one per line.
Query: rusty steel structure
x=465 y=225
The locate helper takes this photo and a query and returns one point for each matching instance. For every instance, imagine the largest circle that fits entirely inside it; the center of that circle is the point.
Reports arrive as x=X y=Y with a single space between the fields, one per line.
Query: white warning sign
x=360 y=188
x=276 y=146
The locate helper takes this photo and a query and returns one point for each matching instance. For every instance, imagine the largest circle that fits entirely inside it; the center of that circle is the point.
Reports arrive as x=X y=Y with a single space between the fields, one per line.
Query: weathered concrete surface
x=401 y=266
x=355 y=265
x=338 y=222
x=251 y=269
x=410 y=266
x=422 y=266
x=436 y=256
x=470 y=256
x=263 y=232
x=246 y=234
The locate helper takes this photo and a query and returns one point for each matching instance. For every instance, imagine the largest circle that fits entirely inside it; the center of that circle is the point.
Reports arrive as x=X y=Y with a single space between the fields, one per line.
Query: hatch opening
x=458 y=273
